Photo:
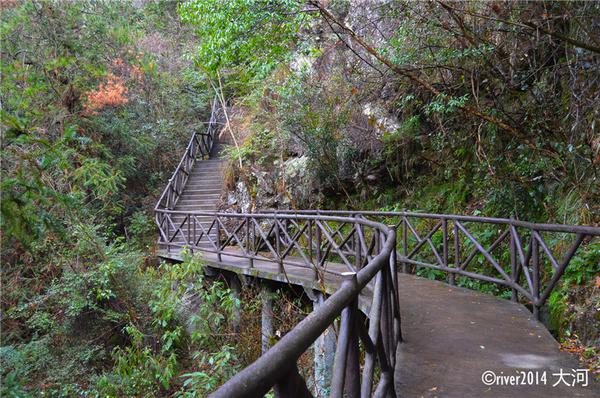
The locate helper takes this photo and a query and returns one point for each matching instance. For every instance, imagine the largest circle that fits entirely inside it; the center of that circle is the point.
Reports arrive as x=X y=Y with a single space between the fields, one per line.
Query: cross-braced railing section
x=356 y=253
x=323 y=245
x=200 y=145
x=523 y=261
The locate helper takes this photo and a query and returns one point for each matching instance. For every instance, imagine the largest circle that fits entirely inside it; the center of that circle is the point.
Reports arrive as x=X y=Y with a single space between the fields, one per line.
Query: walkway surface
x=451 y=337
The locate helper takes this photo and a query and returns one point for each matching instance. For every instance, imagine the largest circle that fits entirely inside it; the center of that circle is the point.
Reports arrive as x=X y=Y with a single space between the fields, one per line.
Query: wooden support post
x=292 y=385
x=266 y=318
x=324 y=353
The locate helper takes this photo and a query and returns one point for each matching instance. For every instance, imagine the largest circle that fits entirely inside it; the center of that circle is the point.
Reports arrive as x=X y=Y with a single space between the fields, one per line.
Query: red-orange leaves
x=111 y=92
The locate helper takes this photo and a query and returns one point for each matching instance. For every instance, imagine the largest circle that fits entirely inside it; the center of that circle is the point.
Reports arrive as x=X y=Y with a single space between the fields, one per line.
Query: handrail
x=273 y=366
x=526 y=250
x=363 y=252
x=588 y=230
x=196 y=147
x=364 y=255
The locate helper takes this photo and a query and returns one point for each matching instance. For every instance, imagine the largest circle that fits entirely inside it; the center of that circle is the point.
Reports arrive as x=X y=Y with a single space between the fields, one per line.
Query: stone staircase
x=203 y=191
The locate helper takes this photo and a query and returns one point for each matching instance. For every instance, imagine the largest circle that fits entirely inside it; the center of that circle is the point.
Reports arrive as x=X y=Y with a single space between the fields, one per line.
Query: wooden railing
x=355 y=252
x=512 y=254
x=200 y=145
x=365 y=256
x=359 y=253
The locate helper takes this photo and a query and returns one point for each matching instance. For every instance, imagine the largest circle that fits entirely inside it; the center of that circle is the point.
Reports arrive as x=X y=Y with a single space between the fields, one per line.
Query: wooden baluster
x=188 y=234
x=310 y=244
x=318 y=248
x=396 y=287
x=405 y=243
x=357 y=247
x=278 y=245
x=248 y=244
x=456 y=247
x=218 y=238
x=513 y=265
x=535 y=260
x=347 y=342
x=195 y=234
x=352 y=374
x=168 y=218
x=374 y=331
x=445 y=250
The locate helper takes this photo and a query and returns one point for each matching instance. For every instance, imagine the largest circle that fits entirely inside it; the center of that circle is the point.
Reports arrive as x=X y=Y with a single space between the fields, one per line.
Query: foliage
x=95 y=98
x=250 y=36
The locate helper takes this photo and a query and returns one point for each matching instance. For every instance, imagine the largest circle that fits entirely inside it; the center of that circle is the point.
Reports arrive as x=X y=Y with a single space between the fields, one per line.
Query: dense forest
x=475 y=108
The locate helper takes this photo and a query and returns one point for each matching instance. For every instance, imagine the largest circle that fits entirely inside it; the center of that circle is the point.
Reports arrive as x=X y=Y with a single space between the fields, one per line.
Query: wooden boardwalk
x=451 y=336
x=455 y=339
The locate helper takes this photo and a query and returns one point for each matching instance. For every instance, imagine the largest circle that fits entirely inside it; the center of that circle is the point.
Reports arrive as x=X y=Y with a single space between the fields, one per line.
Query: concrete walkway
x=451 y=337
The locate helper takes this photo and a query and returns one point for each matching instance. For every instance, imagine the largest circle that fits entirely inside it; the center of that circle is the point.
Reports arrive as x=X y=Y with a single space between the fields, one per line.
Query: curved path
x=450 y=335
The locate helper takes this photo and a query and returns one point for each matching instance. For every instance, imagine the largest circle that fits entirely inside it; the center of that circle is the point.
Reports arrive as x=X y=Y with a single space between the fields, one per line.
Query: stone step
x=203 y=186
x=209 y=188
x=206 y=208
x=206 y=174
x=193 y=192
x=209 y=177
x=207 y=168
x=198 y=199
x=207 y=184
x=203 y=195
x=210 y=161
x=213 y=195
x=212 y=180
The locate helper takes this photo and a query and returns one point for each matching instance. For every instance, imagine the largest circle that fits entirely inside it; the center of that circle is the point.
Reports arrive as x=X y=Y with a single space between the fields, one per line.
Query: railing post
x=249 y=249
x=456 y=247
x=318 y=247
x=346 y=359
x=374 y=333
x=195 y=232
x=386 y=320
x=445 y=249
x=352 y=376
x=536 y=275
x=396 y=287
x=357 y=247
x=513 y=264
x=310 y=240
x=404 y=243
x=278 y=244
x=168 y=233
x=189 y=217
x=218 y=238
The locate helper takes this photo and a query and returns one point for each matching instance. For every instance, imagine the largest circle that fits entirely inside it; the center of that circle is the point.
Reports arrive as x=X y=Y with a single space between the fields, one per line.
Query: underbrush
x=123 y=330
